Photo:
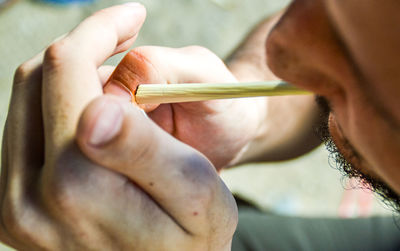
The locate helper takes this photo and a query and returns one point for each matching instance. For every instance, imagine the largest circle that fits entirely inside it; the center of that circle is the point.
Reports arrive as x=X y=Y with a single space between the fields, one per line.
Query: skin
x=85 y=187
x=351 y=62
x=70 y=182
x=86 y=171
x=227 y=132
x=207 y=126
x=285 y=132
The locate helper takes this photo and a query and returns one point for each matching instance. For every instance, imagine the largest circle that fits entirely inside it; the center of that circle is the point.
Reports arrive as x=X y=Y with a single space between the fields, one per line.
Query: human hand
x=220 y=129
x=135 y=186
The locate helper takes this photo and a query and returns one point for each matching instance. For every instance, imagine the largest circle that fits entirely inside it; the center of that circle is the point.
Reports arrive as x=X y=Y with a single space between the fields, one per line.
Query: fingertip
x=136 y=5
x=138 y=9
x=135 y=14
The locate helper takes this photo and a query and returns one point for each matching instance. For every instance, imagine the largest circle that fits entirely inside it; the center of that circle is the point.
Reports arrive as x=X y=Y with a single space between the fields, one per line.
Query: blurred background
x=307 y=186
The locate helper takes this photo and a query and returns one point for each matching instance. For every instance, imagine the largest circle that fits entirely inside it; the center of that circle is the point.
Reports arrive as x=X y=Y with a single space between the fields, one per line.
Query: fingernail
x=108 y=123
x=118 y=90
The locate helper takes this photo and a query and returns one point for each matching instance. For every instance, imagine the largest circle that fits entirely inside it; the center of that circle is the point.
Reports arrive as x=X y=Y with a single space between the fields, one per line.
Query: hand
x=118 y=181
x=220 y=129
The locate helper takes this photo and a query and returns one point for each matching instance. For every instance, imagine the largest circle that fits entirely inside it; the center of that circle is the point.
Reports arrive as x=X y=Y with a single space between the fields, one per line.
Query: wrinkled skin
x=347 y=52
x=86 y=171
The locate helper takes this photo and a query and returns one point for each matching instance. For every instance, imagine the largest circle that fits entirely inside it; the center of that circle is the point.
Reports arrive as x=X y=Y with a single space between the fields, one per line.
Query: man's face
x=348 y=53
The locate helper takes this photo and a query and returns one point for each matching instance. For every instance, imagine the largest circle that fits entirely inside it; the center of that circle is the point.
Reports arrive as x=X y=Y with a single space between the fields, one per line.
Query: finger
x=23 y=157
x=152 y=64
x=70 y=74
x=105 y=72
x=106 y=32
x=119 y=136
x=187 y=64
x=24 y=121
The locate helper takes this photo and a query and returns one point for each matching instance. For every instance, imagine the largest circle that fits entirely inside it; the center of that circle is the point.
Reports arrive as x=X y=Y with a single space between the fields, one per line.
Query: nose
x=303 y=49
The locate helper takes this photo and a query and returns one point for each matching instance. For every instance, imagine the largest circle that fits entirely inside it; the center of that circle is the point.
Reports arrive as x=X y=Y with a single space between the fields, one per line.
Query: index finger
x=70 y=77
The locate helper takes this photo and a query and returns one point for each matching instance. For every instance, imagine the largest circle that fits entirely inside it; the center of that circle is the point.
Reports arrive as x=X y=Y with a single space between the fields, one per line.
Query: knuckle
x=145 y=51
x=203 y=54
x=147 y=55
x=196 y=49
x=209 y=196
x=59 y=196
x=22 y=72
x=70 y=184
x=60 y=193
x=56 y=53
x=71 y=181
x=201 y=174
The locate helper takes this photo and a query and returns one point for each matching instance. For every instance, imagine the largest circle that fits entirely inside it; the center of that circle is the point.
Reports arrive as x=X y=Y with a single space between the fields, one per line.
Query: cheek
x=358 y=163
x=344 y=146
x=374 y=139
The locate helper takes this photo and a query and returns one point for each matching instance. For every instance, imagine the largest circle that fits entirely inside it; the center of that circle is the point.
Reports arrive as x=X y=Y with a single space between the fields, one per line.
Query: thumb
x=119 y=136
x=114 y=133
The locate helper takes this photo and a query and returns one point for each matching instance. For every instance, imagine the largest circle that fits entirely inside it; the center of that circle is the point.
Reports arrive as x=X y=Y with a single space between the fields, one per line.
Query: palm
x=218 y=129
